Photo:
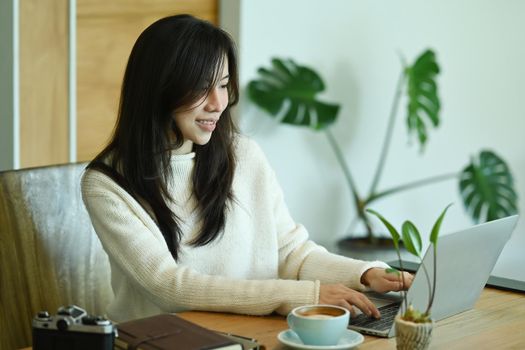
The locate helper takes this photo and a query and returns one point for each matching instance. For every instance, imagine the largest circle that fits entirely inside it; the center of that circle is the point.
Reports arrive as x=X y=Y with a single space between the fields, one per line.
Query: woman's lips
x=207 y=124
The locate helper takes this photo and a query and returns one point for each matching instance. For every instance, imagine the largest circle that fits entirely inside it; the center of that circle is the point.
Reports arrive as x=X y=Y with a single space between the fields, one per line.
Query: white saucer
x=349 y=339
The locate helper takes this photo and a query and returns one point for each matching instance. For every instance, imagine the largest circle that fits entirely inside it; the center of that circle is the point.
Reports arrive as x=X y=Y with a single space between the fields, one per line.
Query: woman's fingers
x=408 y=279
x=365 y=305
x=350 y=308
x=382 y=281
x=400 y=280
x=395 y=286
x=378 y=279
x=338 y=294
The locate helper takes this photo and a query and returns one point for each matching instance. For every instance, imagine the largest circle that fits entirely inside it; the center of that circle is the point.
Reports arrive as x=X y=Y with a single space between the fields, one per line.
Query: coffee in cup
x=319 y=324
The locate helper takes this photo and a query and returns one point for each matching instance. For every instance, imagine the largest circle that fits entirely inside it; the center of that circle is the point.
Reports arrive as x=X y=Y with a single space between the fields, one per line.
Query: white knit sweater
x=262 y=263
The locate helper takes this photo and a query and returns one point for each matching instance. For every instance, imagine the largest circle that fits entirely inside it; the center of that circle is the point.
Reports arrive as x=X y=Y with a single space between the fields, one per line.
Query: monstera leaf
x=423 y=100
x=288 y=91
x=487 y=188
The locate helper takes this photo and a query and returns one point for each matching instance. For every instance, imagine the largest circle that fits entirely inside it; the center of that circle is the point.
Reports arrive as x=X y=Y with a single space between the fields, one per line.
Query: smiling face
x=198 y=121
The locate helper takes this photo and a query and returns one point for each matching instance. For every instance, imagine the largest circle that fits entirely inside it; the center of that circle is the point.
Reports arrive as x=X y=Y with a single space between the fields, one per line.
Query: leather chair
x=49 y=252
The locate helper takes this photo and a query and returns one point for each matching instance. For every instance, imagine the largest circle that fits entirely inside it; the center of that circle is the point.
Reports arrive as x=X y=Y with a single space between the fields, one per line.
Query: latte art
x=320 y=312
x=319 y=317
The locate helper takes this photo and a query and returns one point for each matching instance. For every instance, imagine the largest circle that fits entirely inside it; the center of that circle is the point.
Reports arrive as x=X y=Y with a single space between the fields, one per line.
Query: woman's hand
x=340 y=295
x=381 y=281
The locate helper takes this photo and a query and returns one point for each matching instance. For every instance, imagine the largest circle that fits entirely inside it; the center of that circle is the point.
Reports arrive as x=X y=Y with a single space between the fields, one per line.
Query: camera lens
x=89 y=320
x=62 y=325
x=43 y=314
x=66 y=310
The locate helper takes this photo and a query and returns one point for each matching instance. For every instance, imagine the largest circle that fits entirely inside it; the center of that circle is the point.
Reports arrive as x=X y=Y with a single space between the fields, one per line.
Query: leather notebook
x=169 y=332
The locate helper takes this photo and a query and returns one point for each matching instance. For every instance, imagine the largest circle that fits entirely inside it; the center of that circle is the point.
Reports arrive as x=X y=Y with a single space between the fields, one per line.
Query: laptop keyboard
x=388 y=314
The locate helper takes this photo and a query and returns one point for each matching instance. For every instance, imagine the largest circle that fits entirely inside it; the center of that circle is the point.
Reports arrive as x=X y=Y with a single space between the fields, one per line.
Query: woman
x=190 y=212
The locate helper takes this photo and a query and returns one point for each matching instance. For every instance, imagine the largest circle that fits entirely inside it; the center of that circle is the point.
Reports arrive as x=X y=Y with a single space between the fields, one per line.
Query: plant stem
x=389 y=131
x=428 y=283
x=403 y=292
x=411 y=185
x=359 y=204
x=342 y=163
x=434 y=285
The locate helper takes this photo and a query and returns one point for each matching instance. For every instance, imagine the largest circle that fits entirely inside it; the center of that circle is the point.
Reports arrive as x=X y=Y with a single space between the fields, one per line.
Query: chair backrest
x=49 y=252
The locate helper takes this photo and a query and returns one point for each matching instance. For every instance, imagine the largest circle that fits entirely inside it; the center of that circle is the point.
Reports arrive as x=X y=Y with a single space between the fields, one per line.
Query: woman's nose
x=216 y=100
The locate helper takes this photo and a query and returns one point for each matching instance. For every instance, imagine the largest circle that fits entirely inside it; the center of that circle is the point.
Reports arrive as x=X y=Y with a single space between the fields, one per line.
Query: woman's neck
x=186 y=148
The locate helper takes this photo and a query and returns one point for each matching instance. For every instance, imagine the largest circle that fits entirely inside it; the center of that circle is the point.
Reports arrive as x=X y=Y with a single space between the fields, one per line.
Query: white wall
x=355 y=47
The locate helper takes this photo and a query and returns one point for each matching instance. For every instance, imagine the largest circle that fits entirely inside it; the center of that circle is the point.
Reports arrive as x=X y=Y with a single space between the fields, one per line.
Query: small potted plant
x=414 y=327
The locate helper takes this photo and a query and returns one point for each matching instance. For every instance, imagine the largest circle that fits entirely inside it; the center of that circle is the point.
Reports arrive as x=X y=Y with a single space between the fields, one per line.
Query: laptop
x=465 y=260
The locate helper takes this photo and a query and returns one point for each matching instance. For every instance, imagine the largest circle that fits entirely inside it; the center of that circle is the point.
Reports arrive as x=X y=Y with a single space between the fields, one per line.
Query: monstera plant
x=288 y=91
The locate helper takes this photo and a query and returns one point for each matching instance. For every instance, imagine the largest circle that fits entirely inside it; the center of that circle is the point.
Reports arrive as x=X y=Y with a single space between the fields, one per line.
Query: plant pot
x=381 y=248
x=413 y=336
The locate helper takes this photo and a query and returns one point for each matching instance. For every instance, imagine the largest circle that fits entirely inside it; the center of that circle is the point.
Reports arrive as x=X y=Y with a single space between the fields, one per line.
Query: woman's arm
x=134 y=243
x=300 y=258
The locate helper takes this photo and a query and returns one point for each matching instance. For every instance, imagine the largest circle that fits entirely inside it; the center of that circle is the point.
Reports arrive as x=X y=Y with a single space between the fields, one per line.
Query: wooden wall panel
x=106 y=32
x=43 y=82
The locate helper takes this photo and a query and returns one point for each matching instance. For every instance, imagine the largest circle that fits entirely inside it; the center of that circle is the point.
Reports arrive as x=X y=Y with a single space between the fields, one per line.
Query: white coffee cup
x=319 y=324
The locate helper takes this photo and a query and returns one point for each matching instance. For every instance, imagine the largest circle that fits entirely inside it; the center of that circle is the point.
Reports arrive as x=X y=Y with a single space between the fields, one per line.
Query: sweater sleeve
x=302 y=259
x=133 y=242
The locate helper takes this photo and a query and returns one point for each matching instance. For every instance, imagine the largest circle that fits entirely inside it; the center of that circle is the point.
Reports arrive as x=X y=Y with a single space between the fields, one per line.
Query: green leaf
x=393 y=232
x=288 y=91
x=487 y=188
x=423 y=100
x=392 y=270
x=411 y=238
x=437 y=226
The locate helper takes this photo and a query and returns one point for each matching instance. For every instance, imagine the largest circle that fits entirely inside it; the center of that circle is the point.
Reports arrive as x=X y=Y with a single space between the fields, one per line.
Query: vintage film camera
x=72 y=329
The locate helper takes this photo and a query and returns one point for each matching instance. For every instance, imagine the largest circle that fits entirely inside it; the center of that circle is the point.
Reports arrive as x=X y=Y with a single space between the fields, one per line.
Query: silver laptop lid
x=465 y=260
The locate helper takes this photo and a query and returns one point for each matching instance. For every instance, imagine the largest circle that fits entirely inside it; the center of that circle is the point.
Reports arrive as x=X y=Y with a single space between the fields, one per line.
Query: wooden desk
x=496 y=322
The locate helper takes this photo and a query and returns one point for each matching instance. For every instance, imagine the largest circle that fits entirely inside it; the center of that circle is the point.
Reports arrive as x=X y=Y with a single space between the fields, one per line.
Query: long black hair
x=170 y=63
